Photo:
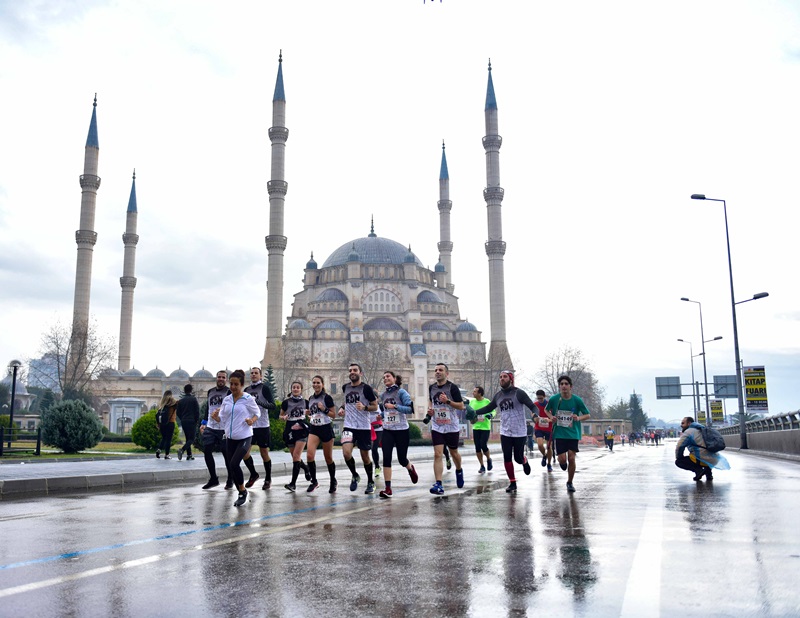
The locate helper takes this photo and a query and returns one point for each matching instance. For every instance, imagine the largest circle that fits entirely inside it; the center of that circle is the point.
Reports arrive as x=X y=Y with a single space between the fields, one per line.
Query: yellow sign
x=701 y=417
x=717 y=414
x=755 y=389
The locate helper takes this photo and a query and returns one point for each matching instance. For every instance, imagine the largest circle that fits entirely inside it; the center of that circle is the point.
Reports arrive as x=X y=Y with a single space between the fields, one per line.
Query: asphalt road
x=638 y=538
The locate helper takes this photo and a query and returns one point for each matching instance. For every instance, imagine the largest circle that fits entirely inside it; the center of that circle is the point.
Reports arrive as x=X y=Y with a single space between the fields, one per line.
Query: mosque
x=371 y=301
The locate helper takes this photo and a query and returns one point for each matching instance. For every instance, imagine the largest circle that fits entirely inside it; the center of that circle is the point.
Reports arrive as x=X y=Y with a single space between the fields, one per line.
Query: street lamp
x=14 y=365
x=703 y=354
x=695 y=393
x=740 y=396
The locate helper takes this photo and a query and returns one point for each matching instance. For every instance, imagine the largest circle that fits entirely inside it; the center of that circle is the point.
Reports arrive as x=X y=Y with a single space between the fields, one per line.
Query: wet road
x=639 y=538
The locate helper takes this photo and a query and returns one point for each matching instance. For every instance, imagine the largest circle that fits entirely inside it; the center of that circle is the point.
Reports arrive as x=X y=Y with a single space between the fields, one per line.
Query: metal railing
x=778 y=422
x=19 y=441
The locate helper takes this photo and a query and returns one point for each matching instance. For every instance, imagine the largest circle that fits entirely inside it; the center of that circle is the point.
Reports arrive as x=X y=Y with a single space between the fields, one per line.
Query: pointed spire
x=491 y=102
x=91 y=139
x=372 y=233
x=443 y=175
x=132 y=200
x=279 y=94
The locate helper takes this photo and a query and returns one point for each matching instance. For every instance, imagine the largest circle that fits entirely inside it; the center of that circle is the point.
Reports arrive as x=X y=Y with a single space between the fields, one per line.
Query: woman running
x=237 y=414
x=395 y=406
x=295 y=434
x=167 y=407
x=321 y=410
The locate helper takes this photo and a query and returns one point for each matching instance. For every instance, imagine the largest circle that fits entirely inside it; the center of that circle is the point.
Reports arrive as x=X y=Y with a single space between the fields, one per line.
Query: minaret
x=128 y=281
x=499 y=357
x=445 y=245
x=276 y=241
x=86 y=238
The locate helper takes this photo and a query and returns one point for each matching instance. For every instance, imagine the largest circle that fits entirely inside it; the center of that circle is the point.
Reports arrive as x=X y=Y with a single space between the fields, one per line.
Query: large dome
x=371 y=250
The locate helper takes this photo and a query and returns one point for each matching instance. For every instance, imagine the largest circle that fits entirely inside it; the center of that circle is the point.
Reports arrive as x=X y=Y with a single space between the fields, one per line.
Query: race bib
x=543 y=422
x=347 y=437
x=392 y=418
x=564 y=419
x=317 y=419
x=442 y=416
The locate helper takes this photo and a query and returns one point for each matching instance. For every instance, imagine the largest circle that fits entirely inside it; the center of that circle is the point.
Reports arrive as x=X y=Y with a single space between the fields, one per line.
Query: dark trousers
x=376 y=446
x=237 y=449
x=190 y=431
x=398 y=439
x=167 y=429
x=685 y=463
x=515 y=446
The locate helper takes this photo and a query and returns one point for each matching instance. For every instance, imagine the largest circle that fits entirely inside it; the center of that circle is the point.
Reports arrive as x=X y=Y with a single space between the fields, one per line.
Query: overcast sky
x=612 y=115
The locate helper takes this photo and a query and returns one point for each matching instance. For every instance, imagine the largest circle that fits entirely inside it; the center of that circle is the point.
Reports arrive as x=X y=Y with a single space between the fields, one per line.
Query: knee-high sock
x=303 y=466
x=510 y=470
x=332 y=470
x=250 y=466
x=351 y=464
x=268 y=470
x=295 y=471
x=312 y=469
x=368 y=468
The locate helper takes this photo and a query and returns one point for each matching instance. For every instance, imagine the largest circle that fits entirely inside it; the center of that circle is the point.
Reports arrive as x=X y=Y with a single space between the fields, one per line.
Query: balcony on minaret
x=85 y=237
x=495 y=247
x=494 y=194
x=90 y=181
x=492 y=142
x=278 y=134
x=277 y=187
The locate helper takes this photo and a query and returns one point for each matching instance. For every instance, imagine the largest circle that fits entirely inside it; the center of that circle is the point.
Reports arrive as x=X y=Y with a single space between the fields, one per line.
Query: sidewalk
x=83 y=474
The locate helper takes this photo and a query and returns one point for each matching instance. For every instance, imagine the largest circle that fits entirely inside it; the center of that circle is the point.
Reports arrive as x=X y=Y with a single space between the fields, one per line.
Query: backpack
x=160 y=416
x=713 y=439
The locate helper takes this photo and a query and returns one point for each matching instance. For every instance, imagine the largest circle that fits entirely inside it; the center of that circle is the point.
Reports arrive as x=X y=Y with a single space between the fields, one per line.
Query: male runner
x=543 y=430
x=261 y=431
x=213 y=433
x=481 y=429
x=445 y=401
x=568 y=411
x=608 y=436
x=359 y=401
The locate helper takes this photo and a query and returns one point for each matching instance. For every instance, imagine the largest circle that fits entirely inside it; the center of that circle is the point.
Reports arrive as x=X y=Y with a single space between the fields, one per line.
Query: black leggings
x=517 y=445
x=376 y=445
x=237 y=449
x=481 y=438
x=167 y=429
x=399 y=439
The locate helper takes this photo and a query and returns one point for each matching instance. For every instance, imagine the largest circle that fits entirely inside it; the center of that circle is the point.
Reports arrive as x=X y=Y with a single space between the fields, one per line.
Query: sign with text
x=668 y=388
x=725 y=387
x=717 y=414
x=755 y=389
x=701 y=417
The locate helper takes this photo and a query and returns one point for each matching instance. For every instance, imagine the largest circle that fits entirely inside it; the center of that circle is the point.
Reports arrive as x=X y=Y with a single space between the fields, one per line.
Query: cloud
x=22 y=21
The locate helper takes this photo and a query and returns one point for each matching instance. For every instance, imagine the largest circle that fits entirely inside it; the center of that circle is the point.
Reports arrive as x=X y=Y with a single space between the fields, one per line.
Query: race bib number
x=317 y=419
x=392 y=418
x=347 y=437
x=442 y=416
x=564 y=419
x=543 y=422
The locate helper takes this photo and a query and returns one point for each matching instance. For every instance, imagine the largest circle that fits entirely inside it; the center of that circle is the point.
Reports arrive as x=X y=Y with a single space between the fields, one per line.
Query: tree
x=71 y=426
x=376 y=355
x=269 y=378
x=571 y=362
x=145 y=432
x=618 y=409
x=5 y=394
x=748 y=416
x=70 y=361
x=638 y=418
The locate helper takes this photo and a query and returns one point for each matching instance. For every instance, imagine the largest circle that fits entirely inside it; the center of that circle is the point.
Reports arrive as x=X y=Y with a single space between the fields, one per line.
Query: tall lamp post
x=14 y=365
x=703 y=354
x=740 y=395
x=695 y=393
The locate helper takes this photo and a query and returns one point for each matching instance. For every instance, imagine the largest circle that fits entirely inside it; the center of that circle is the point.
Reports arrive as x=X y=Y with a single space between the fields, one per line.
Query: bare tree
x=570 y=361
x=71 y=362
x=376 y=355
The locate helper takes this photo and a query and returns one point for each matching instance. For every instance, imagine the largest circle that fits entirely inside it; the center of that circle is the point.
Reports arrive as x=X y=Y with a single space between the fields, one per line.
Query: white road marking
x=643 y=592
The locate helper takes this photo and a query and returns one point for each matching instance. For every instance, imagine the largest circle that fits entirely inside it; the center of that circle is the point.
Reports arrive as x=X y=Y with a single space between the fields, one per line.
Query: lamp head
x=686 y=299
x=15 y=364
x=717 y=338
x=760 y=295
x=698 y=196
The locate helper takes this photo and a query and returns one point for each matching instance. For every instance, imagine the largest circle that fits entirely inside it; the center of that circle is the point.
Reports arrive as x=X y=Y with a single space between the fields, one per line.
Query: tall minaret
x=276 y=241
x=86 y=237
x=499 y=357
x=128 y=281
x=445 y=245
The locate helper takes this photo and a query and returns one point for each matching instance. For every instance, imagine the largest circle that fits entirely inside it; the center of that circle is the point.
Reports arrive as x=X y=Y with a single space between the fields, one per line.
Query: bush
x=71 y=426
x=276 y=427
x=145 y=433
x=414 y=432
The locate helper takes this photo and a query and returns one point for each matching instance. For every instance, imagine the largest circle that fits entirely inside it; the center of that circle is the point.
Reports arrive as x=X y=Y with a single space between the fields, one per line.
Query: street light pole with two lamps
x=703 y=354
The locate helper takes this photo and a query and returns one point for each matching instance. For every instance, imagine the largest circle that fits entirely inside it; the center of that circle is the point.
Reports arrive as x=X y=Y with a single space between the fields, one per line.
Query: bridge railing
x=778 y=422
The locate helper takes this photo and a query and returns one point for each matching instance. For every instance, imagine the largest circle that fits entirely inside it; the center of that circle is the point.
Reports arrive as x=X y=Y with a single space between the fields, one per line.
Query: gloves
x=488 y=417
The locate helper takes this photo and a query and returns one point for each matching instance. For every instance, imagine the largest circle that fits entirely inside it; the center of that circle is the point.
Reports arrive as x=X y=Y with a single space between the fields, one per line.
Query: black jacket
x=188 y=410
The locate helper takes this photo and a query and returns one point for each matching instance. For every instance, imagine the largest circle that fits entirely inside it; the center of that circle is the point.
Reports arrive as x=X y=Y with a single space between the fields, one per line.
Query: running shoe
x=180 y=454
x=482 y=470
x=211 y=483
x=354 y=482
x=413 y=474
x=229 y=484
x=549 y=468
x=489 y=465
x=312 y=487
x=512 y=488
x=459 y=478
x=449 y=464
x=190 y=458
x=544 y=461
x=437 y=489
x=563 y=465
x=386 y=493
x=370 y=488
x=526 y=467
x=570 y=487
x=266 y=485
x=241 y=499
x=306 y=470
x=334 y=485
x=291 y=487
x=167 y=457
x=377 y=471
x=252 y=480
x=158 y=453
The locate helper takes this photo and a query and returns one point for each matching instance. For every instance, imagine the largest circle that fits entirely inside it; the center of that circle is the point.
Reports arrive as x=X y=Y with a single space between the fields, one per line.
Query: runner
x=395 y=406
x=566 y=408
x=542 y=430
x=212 y=432
x=608 y=437
x=445 y=401
x=376 y=426
x=262 y=434
x=511 y=402
x=359 y=401
x=321 y=410
x=295 y=434
x=481 y=430
x=236 y=415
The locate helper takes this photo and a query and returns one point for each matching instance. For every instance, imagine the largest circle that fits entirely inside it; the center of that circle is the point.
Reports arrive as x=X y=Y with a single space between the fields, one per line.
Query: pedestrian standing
x=167 y=407
x=188 y=411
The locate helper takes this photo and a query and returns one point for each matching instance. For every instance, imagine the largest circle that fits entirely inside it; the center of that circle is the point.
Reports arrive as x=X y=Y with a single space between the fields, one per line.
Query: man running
x=568 y=411
x=261 y=432
x=359 y=401
x=213 y=433
x=608 y=436
x=445 y=401
x=543 y=430
x=481 y=429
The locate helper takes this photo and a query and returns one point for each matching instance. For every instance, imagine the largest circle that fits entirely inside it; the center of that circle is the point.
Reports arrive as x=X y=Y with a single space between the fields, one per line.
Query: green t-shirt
x=566 y=427
x=485 y=424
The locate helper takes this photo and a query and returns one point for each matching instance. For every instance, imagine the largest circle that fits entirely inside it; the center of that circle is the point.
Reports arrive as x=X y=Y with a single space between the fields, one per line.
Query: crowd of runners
x=376 y=424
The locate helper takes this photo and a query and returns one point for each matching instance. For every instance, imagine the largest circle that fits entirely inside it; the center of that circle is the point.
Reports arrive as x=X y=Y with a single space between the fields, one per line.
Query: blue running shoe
x=489 y=465
x=459 y=478
x=354 y=482
x=437 y=489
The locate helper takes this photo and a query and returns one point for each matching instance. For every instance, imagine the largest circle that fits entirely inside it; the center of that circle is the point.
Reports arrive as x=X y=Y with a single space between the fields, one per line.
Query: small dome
x=299 y=323
x=439 y=268
x=331 y=294
x=353 y=255
x=409 y=259
x=426 y=296
x=311 y=264
x=466 y=327
x=382 y=324
x=110 y=372
x=133 y=372
x=203 y=374
x=155 y=373
x=332 y=325
x=180 y=373
x=435 y=325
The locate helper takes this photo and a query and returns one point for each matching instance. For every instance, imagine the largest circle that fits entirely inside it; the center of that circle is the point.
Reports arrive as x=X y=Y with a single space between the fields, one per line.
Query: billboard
x=701 y=417
x=755 y=389
x=725 y=387
x=668 y=388
x=717 y=414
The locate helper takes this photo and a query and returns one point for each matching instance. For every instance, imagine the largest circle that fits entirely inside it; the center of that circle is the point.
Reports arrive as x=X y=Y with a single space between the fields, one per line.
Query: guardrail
x=778 y=422
x=20 y=441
